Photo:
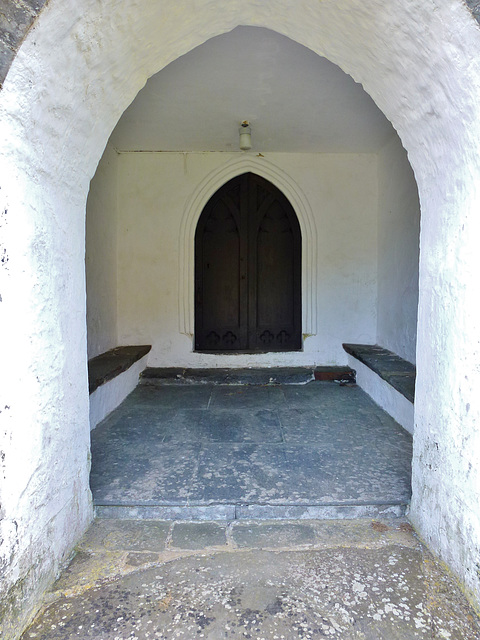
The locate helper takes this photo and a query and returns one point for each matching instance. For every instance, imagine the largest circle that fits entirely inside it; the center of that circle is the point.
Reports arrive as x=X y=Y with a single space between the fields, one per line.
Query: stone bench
x=398 y=376
x=399 y=373
x=112 y=376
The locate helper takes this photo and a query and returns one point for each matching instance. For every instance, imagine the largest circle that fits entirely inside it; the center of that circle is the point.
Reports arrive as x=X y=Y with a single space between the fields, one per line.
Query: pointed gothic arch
x=294 y=194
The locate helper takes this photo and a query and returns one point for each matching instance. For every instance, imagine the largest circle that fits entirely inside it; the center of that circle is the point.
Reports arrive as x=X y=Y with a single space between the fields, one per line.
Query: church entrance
x=248 y=270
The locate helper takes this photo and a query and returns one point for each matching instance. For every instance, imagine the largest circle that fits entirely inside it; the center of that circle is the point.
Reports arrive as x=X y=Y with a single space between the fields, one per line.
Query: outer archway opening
x=366 y=41
x=167 y=152
x=248 y=270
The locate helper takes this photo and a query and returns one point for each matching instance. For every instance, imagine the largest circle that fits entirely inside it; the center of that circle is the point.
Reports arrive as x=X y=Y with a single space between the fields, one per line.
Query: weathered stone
x=214 y=451
x=6 y=57
x=127 y=535
x=107 y=365
x=15 y=21
x=271 y=375
x=399 y=373
x=268 y=535
x=186 y=535
x=362 y=579
x=474 y=6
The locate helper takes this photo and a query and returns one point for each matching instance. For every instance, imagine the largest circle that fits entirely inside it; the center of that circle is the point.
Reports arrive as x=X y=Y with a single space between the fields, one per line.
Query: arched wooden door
x=248 y=270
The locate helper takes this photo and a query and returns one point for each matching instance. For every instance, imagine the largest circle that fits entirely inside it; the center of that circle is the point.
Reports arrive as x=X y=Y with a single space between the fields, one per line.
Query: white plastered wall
x=398 y=251
x=397 y=279
x=154 y=191
x=75 y=73
x=101 y=256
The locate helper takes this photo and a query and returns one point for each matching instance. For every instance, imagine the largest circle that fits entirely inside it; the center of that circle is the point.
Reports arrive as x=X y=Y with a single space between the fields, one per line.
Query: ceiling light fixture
x=245 y=136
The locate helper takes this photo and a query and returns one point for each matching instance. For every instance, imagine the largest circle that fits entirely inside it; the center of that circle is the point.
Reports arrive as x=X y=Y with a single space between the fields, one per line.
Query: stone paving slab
x=194 y=535
x=314 y=450
x=171 y=397
x=227 y=512
x=127 y=535
x=112 y=535
x=240 y=426
x=273 y=535
x=353 y=580
x=217 y=512
x=247 y=397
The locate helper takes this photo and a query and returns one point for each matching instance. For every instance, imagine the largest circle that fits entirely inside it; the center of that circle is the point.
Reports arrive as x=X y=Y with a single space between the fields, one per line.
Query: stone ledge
x=399 y=373
x=244 y=376
x=259 y=376
x=112 y=363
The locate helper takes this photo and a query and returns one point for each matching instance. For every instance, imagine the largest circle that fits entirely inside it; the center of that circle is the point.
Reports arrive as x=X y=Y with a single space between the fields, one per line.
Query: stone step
x=245 y=376
x=231 y=512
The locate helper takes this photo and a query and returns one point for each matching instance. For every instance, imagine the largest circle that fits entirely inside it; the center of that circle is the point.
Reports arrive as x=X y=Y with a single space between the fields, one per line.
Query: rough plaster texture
x=153 y=191
x=17 y=17
x=73 y=76
x=101 y=256
x=394 y=403
x=109 y=395
x=398 y=252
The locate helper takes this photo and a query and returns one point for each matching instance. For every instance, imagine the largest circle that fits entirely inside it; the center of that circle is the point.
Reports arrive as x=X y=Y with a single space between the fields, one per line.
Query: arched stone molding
x=194 y=207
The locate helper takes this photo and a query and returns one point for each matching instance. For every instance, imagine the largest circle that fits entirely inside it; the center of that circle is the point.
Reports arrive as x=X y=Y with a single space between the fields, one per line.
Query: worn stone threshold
x=399 y=373
x=245 y=376
x=110 y=364
x=232 y=512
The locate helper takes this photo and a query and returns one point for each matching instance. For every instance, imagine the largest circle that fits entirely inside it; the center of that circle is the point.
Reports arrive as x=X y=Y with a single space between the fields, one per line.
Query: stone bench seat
x=111 y=364
x=396 y=371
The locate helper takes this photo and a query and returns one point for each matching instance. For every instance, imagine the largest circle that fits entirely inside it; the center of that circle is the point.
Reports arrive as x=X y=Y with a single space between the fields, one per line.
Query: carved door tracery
x=248 y=270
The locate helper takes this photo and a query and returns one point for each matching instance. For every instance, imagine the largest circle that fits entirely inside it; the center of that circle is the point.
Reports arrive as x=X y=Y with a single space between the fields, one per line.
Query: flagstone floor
x=268 y=512
x=206 y=451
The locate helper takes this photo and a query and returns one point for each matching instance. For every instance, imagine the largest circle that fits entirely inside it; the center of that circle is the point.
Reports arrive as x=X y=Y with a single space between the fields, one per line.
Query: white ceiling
x=295 y=100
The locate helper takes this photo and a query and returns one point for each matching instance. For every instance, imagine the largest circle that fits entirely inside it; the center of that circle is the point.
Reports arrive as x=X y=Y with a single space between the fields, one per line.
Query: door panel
x=220 y=304
x=248 y=270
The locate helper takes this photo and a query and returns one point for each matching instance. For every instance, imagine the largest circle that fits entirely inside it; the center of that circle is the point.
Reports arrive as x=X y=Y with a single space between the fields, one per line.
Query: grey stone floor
x=348 y=579
x=228 y=452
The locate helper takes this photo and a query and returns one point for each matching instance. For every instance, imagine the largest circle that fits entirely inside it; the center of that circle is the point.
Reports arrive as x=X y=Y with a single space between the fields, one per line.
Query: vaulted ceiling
x=295 y=100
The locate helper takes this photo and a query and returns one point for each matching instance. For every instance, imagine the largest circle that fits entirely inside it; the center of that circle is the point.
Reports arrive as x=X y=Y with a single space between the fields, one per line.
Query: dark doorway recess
x=248 y=270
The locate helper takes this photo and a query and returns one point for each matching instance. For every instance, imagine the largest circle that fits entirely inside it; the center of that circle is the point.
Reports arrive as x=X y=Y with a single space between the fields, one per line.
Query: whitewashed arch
x=76 y=72
x=194 y=207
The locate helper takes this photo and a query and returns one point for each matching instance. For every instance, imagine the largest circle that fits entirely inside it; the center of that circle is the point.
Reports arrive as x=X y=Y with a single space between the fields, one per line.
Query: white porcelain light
x=245 y=136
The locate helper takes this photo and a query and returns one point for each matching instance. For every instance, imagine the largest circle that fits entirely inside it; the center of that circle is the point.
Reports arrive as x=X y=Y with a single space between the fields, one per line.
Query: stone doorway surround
x=195 y=205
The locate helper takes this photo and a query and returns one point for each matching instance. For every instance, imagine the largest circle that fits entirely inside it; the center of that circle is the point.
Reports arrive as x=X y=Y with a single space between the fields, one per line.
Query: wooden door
x=248 y=270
